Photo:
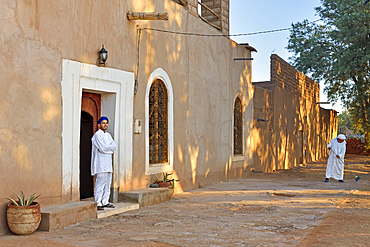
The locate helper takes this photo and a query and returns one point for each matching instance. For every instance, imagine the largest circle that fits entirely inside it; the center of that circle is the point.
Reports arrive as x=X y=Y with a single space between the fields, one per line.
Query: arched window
x=238 y=127
x=159 y=128
x=158 y=123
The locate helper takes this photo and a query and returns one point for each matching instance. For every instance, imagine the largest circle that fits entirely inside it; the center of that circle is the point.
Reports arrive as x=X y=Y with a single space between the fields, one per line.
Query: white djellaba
x=103 y=147
x=335 y=167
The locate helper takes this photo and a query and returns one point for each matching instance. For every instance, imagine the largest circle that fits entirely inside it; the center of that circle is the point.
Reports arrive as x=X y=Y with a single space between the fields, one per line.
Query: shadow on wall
x=205 y=57
x=300 y=128
x=264 y=135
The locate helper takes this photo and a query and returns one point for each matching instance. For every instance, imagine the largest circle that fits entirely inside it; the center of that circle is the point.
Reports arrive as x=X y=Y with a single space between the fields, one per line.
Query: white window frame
x=168 y=166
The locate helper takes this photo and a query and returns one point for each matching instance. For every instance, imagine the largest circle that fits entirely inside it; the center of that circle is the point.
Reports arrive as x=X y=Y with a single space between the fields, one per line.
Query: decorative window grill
x=158 y=123
x=238 y=127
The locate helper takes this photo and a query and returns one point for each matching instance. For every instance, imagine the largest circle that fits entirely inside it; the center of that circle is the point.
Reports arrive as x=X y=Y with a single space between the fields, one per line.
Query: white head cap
x=342 y=137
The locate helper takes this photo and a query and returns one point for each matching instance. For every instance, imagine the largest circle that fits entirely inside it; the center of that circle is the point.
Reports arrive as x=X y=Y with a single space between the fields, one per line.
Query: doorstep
x=58 y=216
x=120 y=207
x=146 y=197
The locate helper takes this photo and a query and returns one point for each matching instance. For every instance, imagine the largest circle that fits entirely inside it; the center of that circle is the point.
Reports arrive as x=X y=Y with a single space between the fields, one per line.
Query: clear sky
x=247 y=16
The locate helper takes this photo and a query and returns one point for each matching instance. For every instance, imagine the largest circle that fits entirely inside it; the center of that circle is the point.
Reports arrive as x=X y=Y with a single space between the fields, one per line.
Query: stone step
x=62 y=215
x=146 y=197
x=120 y=207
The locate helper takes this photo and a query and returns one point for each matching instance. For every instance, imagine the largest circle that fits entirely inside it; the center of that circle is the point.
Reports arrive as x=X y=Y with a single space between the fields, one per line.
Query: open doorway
x=90 y=113
x=86 y=180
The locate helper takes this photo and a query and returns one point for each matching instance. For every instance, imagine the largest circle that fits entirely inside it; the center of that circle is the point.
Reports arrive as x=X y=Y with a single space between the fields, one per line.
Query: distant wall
x=263 y=132
x=300 y=129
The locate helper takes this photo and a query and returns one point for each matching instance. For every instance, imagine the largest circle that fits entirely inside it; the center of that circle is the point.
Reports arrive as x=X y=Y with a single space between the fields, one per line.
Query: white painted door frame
x=117 y=90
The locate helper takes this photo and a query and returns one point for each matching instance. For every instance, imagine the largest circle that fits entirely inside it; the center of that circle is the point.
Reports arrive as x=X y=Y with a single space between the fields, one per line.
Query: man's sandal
x=100 y=207
x=109 y=206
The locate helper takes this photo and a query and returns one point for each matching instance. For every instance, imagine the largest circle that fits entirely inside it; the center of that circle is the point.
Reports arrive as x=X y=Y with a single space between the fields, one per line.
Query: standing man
x=337 y=150
x=103 y=147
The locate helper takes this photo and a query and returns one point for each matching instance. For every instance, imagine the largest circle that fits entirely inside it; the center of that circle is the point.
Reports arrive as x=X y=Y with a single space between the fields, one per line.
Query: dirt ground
x=285 y=208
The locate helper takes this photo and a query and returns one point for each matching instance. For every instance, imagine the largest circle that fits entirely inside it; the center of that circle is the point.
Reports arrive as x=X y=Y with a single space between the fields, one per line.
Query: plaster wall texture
x=293 y=110
x=263 y=133
x=205 y=80
x=38 y=35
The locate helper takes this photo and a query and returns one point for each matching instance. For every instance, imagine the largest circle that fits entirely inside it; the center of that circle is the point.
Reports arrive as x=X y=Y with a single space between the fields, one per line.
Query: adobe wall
x=221 y=8
x=295 y=110
x=38 y=35
x=301 y=129
x=203 y=108
x=263 y=133
x=328 y=129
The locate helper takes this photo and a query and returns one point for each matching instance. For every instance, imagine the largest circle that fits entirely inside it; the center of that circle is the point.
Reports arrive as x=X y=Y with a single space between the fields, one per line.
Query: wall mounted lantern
x=103 y=55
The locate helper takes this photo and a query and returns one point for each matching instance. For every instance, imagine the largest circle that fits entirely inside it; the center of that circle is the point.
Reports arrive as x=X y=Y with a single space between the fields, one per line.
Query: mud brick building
x=290 y=127
x=176 y=103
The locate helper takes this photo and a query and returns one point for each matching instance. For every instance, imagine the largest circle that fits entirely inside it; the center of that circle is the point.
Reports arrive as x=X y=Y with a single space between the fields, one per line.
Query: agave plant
x=166 y=178
x=22 y=200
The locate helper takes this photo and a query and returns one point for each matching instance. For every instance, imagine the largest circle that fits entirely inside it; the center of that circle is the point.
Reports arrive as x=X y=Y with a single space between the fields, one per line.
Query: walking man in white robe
x=335 y=167
x=103 y=147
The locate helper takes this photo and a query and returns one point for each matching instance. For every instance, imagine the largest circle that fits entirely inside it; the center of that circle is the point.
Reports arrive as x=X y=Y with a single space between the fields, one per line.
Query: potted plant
x=24 y=215
x=165 y=182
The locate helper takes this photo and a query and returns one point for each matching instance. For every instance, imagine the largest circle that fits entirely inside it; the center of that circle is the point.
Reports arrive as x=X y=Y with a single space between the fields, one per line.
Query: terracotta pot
x=164 y=184
x=23 y=219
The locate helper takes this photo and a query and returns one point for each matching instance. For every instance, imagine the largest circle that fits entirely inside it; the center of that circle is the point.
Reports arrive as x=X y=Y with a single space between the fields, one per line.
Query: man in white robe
x=337 y=150
x=103 y=147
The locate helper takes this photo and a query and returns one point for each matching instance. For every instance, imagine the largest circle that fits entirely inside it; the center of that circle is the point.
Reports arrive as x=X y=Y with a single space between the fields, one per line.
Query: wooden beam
x=182 y=2
x=210 y=10
x=213 y=25
x=147 y=16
